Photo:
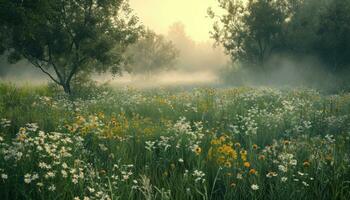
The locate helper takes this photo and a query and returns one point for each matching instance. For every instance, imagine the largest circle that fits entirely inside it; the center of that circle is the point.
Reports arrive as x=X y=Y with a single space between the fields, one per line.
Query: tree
x=251 y=31
x=151 y=53
x=333 y=35
x=321 y=28
x=64 y=38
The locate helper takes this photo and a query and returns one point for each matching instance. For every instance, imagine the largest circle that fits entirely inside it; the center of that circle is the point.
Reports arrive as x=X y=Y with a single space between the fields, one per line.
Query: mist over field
x=199 y=64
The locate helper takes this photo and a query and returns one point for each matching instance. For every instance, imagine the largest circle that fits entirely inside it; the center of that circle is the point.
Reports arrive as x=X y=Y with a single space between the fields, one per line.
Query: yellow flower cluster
x=222 y=152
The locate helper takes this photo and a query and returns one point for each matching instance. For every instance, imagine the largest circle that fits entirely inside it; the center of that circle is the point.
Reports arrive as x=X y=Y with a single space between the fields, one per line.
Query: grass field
x=204 y=143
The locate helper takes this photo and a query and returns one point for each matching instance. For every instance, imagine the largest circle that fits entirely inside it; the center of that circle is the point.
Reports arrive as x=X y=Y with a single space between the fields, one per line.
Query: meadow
x=201 y=143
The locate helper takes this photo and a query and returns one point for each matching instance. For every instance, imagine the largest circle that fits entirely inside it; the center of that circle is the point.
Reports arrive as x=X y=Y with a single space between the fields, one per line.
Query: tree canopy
x=66 y=37
x=253 y=31
x=151 y=52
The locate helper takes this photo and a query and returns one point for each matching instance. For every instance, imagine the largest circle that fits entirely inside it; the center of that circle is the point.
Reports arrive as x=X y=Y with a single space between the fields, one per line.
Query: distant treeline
x=253 y=32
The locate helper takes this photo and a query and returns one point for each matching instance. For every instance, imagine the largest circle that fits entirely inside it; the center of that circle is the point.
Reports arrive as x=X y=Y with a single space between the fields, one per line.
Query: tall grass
x=239 y=143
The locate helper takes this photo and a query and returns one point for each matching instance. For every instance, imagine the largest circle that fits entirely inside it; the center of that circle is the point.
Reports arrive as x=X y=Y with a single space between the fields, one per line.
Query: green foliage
x=65 y=38
x=151 y=53
x=237 y=143
x=254 y=31
x=251 y=31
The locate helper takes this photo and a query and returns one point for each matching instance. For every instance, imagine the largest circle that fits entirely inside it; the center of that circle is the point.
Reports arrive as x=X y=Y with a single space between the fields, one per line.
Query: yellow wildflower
x=238 y=145
x=228 y=164
x=215 y=142
x=252 y=171
x=246 y=164
x=221 y=160
x=223 y=138
x=233 y=155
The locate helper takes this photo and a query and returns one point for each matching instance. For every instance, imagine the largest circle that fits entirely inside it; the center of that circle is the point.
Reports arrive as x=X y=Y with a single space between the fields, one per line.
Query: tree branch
x=54 y=66
x=36 y=64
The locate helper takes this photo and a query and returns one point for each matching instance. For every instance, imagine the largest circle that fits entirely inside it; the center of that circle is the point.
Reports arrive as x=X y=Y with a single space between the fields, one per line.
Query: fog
x=283 y=71
x=21 y=73
x=199 y=64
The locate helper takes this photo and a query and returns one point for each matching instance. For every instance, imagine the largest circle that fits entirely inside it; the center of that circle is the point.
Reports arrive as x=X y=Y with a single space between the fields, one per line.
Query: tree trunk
x=66 y=88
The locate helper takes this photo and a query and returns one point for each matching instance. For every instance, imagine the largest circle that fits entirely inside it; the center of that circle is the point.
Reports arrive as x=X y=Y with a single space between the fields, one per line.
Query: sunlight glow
x=160 y=14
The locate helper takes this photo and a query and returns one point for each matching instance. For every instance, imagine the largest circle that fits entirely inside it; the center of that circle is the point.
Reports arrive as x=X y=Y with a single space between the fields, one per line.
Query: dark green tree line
x=253 y=31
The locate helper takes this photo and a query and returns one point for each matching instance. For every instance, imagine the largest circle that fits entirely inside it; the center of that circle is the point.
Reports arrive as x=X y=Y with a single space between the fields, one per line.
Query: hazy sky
x=160 y=14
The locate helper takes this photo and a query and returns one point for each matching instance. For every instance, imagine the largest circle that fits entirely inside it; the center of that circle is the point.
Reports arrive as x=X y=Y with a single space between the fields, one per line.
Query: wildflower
x=233 y=154
x=282 y=168
x=92 y=190
x=22 y=130
x=238 y=145
x=223 y=138
x=254 y=187
x=197 y=150
x=64 y=174
x=199 y=176
x=239 y=176
x=52 y=188
x=252 y=171
x=150 y=145
x=255 y=146
x=181 y=160
x=49 y=175
x=271 y=174
x=64 y=165
x=76 y=198
x=306 y=163
x=27 y=178
x=40 y=184
x=246 y=164
x=243 y=152
x=261 y=157
x=304 y=183
x=233 y=184
x=301 y=174
x=35 y=176
x=215 y=142
x=286 y=142
x=228 y=164
x=284 y=179
x=21 y=137
x=293 y=162
x=32 y=126
x=243 y=155
x=221 y=160
x=4 y=176
x=75 y=179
